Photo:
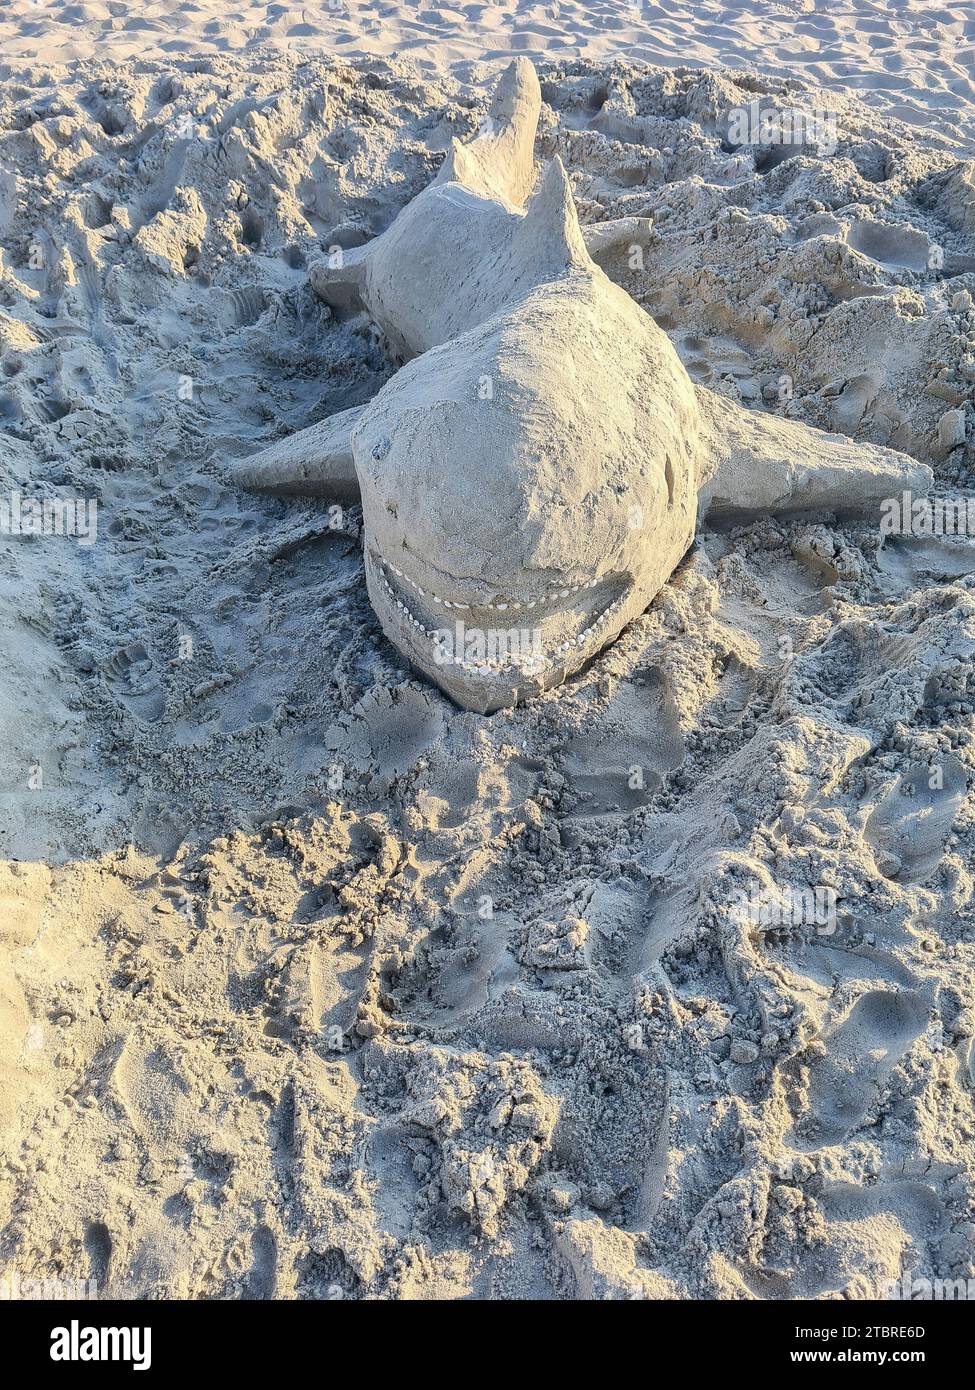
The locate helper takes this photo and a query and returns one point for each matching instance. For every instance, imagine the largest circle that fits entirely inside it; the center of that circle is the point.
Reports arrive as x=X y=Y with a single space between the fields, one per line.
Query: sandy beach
x=314 y=985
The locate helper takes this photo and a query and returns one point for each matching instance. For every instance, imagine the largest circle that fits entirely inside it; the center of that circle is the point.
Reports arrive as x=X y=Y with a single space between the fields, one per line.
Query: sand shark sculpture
x=532 y=475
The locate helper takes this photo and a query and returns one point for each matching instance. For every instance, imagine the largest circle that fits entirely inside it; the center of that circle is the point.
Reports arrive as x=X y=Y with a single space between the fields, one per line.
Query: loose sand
x=314 y=986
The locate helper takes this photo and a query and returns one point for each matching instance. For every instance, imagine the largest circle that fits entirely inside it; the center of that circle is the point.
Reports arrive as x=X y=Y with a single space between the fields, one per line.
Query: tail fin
x=500 y=161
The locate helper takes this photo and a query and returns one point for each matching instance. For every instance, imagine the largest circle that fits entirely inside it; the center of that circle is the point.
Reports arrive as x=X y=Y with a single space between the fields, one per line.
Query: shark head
x=526 y=490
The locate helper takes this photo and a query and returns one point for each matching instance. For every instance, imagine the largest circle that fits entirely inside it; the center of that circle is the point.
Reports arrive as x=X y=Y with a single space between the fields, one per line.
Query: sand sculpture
x=536 y=469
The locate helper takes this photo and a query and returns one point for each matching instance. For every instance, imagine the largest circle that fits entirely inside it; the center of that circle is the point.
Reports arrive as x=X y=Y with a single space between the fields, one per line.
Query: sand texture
x=313 y=985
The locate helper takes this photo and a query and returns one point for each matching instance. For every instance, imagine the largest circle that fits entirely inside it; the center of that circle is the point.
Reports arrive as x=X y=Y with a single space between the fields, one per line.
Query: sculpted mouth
x=505 y=634
x=495 y=605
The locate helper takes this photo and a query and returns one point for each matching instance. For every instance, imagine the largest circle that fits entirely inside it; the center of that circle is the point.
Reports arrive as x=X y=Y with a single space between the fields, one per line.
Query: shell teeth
x=491 y=664
x=492 y=605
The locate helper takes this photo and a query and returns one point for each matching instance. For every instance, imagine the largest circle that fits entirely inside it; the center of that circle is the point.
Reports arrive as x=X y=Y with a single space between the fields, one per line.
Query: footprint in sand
x=618 y=761
x=389 y=1156
x=890 y=245
x=263 y=1278
x=870 y=1230
x=861 y=1053
x=477 y=967
x=609 y=1128
x=908 y=827
x=134 y=683
x=387 y=731
x=98 y=1247
x=911 y=564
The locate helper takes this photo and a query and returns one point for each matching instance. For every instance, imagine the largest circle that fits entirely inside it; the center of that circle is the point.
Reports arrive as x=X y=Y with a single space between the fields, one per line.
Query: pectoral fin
x=339 y=278
x=757 y=462
x=314 y=462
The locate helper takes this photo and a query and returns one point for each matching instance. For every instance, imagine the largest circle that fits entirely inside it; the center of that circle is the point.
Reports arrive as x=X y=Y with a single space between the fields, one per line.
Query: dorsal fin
x=460 y=166
x=550 y=227
x=500 y=161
